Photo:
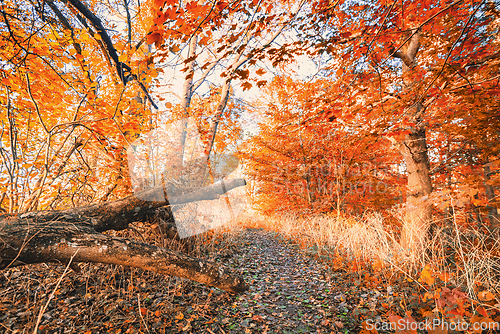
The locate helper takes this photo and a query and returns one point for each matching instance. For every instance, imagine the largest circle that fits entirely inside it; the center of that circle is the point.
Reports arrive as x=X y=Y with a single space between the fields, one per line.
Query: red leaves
x=196 y=10
x=221 y=5
x=406 y=325
x=154 y=38
x=158 y=3
x=345 y=34
x=398 y=135
x=260 y=71
x=368 y=328
x=160 y=18
x=243 y=74
x=482 y=311
x=261 y=83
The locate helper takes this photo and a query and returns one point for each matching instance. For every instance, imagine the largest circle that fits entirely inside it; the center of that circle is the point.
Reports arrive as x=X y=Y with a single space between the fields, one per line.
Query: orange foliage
x=308 y=164
x=67 y=119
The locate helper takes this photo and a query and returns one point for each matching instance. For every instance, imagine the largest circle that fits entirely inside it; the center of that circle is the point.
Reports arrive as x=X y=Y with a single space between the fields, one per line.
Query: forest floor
x=289 y=292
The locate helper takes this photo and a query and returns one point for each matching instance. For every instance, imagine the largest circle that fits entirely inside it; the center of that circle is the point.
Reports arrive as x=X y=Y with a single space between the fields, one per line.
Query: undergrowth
x=454 y=283
x=111 y=298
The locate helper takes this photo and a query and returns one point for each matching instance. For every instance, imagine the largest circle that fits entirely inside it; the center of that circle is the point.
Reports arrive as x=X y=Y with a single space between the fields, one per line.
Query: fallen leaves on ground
x=290 y=292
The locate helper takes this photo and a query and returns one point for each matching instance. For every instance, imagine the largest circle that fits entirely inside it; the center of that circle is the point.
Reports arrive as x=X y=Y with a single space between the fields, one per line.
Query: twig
x=462 y=257
x=42 y=310
x=139 y=304
x=34 y=102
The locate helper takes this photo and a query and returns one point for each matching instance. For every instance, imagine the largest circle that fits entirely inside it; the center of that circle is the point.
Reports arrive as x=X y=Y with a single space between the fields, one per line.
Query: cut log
x=56 y=236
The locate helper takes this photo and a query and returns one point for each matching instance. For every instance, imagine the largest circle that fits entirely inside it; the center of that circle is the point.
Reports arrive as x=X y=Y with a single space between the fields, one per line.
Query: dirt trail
x=289 y=293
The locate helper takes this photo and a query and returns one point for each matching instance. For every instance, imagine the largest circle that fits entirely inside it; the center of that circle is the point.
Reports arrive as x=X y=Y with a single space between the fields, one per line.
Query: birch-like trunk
x=187 y=91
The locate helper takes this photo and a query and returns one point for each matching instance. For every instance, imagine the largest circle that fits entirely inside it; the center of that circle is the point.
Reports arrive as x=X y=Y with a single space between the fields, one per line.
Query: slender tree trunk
x=414 y=151
x=218 y=115
x=490 y=196
x=187 y=90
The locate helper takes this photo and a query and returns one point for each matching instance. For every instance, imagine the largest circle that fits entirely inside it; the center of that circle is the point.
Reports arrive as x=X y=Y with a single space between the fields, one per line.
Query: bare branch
x=124 y=71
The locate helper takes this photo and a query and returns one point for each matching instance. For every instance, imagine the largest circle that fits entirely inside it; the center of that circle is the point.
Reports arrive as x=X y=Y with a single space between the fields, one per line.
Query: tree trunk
x=221 y=106
x=55 y=236
x=418 y=215
x=490 y=195
x=414 y=151
x=187 y=91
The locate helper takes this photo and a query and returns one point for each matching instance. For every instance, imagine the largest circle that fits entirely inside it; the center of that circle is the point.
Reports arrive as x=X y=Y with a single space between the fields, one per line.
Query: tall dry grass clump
x=365 y=238
x=468 y=256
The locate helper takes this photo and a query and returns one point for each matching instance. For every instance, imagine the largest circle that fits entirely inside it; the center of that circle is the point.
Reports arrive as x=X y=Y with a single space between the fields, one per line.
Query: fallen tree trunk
x=48 y=236
x=117 y=215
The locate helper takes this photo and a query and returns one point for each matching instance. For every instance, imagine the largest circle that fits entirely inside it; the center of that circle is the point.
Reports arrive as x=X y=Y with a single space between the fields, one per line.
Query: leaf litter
x=289 y=292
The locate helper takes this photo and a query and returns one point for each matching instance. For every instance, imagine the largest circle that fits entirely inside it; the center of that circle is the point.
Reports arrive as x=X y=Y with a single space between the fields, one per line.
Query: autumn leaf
x=257 y=318
x=246 y=85
x=426 y=276
x=482 y=311
x=154 y=38
x=261 y=83
x=221 y=5
x=160 y=18
x=368 y=328
x=445 y=277
x=394 y=319
x=438 y=330
x=174 y=49
x=204 y=40
x=243 y=74
x=485 y=296
x=159 y=3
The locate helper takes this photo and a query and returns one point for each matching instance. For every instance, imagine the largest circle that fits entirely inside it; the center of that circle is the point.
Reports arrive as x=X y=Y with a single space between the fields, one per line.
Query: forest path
x=289 y=291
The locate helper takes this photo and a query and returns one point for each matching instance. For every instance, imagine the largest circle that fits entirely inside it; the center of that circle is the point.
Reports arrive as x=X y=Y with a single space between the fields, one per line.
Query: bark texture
x=187 y=90
x=418 y=215
x=55 y=236
x=490 y=195
x=414 y=151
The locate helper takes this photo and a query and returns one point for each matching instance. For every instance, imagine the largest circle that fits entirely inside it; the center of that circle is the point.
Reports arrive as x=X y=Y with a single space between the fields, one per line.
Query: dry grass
x=470 y=257
x=365 y=238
